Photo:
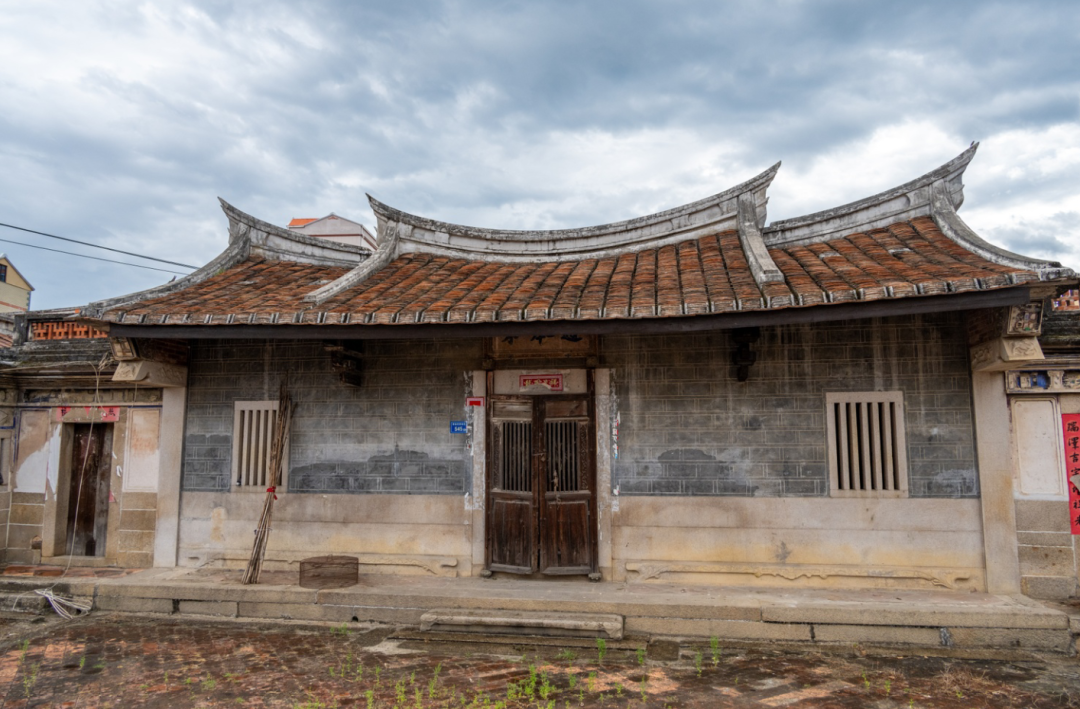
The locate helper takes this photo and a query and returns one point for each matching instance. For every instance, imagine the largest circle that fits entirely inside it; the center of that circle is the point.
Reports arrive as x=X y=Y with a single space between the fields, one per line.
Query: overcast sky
x=121 y=122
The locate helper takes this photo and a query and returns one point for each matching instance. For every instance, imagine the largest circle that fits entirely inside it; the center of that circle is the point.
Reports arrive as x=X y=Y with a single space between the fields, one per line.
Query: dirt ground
x=104 y=660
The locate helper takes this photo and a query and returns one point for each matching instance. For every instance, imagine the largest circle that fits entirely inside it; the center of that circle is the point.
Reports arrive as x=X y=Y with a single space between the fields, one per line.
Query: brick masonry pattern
x=391 y=435
x=687 y=427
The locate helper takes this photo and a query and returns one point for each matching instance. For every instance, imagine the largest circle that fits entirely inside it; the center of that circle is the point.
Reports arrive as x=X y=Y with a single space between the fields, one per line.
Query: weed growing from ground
x=568 y=656
x=601 y=650
x=30 y=679
x=714 y=648
x=698 y=662
x=641 y=656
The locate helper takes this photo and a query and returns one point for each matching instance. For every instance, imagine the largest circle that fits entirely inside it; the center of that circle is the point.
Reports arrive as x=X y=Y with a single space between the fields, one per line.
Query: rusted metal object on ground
x=329 y=572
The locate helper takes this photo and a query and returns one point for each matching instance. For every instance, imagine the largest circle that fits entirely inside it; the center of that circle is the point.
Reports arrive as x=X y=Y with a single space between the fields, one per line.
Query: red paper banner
x=1070 y=427
x=89 y=414
x=552 y=382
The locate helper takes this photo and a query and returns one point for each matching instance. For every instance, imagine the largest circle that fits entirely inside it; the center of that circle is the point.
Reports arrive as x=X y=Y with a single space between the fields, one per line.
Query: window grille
x=867 y=448
x=253 y=434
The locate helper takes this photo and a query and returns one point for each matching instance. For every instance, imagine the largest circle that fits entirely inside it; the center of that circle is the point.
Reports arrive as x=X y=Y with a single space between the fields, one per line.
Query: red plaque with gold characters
x=1070 y=426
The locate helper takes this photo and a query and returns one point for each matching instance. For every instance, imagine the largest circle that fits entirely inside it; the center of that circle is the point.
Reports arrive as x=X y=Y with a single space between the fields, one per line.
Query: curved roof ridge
x=906 y=201
x=718 y=212
x=248 y=236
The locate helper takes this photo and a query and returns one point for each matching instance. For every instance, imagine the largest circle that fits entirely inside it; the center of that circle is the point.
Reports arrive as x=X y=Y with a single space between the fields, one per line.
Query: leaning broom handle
x=262 y=533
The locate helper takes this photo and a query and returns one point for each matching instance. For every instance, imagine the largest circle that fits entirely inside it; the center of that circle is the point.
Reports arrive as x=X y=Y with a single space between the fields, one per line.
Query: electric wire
x=96 y=258
x=97 y=246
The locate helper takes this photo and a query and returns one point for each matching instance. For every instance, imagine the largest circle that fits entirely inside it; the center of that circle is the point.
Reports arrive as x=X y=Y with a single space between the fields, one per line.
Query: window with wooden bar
x=253 y=434
x=867 y=449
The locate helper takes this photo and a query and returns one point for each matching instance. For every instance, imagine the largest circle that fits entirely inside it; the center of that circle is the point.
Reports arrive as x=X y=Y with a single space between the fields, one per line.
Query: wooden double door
x=541 y=506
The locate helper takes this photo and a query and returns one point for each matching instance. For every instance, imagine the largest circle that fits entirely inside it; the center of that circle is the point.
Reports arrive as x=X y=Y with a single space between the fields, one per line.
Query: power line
x=109 y=260
x=98 y=246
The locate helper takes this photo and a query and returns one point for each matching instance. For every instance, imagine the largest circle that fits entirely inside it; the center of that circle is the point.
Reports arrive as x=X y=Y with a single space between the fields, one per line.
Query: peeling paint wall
x=37 y=482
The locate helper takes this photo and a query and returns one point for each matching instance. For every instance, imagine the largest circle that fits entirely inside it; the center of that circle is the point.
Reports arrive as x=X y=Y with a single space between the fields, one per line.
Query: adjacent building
x=335 y=228
x=14 y=289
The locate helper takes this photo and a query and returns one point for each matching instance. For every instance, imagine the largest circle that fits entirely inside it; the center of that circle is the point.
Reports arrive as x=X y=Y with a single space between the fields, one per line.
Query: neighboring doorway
x=88 y=491
x=541 y=511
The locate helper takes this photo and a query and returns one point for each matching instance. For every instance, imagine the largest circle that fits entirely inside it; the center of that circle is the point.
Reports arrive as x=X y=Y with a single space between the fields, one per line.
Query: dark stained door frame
x=541 y=483
x=88 y=491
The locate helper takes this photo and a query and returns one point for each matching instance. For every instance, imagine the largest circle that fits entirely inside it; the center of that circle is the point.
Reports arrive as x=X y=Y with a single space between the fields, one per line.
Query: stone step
x=462 y=620
x=25 y=601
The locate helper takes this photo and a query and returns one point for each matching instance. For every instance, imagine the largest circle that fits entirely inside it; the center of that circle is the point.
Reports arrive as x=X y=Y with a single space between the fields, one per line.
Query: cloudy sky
x=121 y=122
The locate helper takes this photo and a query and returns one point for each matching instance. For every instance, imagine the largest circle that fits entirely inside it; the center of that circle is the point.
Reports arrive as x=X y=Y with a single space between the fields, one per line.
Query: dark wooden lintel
x=697 y=323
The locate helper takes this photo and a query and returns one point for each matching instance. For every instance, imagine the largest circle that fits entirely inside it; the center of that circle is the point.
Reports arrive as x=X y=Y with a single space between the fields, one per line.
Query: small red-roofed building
x=335 y=228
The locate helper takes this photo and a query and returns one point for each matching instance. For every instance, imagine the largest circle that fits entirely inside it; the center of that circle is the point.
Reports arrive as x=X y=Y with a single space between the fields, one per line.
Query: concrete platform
x=939 y=619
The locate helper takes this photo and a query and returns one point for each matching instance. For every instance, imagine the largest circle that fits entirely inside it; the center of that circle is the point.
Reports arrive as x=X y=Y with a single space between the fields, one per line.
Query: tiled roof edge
x=953 y=227
x=248 y=237
x=709 y=215
x=903 y=203
x=237 y=252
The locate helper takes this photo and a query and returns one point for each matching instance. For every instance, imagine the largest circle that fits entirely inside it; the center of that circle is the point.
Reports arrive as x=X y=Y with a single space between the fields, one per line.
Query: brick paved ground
x=108 y=660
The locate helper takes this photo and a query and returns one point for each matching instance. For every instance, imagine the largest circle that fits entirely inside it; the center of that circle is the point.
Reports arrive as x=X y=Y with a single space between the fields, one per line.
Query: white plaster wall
x=915 y=543
x=38 y=458
x=141 y=454
x=1039 y=450
x=401 y=533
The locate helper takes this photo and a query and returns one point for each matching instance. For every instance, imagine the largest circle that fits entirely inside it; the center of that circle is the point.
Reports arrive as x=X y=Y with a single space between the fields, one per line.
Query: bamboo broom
x=277 y=451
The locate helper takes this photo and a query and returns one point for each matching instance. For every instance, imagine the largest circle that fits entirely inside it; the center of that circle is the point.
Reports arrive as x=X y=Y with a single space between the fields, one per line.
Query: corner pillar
x=171 y=443
x=994 y=456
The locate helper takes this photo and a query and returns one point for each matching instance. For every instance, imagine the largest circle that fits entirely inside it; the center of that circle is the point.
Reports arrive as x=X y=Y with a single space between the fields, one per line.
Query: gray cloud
x=123 y=121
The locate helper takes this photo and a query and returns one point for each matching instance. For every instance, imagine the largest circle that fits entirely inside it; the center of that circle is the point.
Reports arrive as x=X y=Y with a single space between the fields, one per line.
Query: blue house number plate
x=459 y=427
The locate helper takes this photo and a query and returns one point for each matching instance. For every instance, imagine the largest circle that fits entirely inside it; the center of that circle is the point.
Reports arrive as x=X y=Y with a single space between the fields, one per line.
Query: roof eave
x=949 y=302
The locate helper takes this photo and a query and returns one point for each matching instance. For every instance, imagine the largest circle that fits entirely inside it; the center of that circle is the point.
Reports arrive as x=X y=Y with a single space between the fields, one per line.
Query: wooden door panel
x=567 y=543
x=512 y=534
x=511 y=528
x=566 y=534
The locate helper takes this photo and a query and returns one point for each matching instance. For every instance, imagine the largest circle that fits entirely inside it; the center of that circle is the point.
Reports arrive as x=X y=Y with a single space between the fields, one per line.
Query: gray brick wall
x=391 y=435
x=688 y=427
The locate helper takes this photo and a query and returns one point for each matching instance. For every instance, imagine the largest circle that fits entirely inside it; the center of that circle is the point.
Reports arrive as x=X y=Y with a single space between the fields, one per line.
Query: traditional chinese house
x=696 y=396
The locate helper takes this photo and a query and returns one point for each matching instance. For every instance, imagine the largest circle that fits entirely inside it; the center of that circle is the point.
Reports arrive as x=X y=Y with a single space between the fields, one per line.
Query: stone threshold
x=879 y=617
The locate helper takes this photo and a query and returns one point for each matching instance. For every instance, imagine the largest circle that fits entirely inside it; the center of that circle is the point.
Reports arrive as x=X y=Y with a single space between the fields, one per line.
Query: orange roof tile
x=705 y=275
x=301 y=222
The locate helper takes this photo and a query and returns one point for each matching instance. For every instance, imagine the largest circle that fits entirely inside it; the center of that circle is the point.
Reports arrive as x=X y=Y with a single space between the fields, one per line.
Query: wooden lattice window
x=867 y=448
x=253 y=433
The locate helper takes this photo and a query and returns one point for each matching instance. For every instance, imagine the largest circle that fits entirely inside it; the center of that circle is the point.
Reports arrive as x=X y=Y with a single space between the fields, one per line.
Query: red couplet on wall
x=1070 y=426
